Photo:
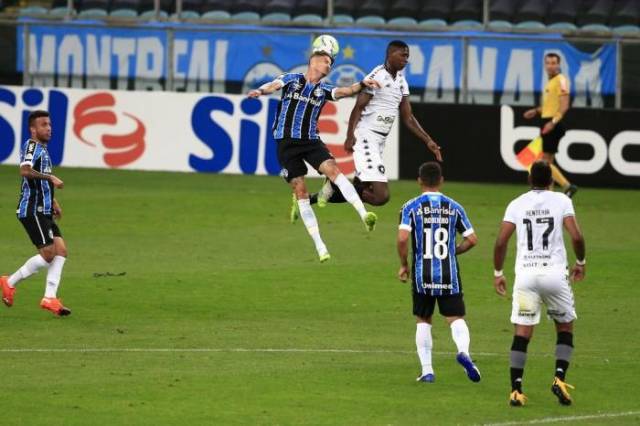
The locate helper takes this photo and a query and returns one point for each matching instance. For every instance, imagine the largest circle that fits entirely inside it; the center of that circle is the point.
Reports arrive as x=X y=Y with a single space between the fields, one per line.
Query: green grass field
x=225 y=316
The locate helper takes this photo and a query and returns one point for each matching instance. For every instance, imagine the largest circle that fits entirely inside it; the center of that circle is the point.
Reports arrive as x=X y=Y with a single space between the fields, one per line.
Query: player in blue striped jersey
x=431 y=221
x=296 y=132
x=36 y=210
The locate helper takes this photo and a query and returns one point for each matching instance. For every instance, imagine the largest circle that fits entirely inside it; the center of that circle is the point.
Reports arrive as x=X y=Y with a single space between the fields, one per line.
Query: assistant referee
x=555 y=104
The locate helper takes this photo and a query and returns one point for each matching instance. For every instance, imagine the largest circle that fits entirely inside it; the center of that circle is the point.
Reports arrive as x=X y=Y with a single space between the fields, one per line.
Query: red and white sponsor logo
x=100 y=110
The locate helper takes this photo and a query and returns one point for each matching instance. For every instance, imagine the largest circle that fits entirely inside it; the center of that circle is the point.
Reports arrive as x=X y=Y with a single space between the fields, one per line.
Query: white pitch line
x=567 y=418
x=256 y=350
x=230 y=350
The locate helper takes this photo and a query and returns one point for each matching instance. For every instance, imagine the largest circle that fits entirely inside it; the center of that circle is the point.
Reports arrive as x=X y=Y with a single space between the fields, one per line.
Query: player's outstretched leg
x=518 y=359
x=331 y=170
x=460 y=334
x=9 y=283
x=309 y=217
x=424 y=345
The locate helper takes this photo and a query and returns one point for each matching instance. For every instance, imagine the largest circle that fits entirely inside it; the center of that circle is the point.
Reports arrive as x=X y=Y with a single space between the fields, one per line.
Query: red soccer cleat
x=7 y=291
x=54 y=305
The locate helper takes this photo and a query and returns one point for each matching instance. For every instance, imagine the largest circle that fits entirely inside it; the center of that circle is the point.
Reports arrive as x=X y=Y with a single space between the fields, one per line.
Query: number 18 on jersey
x=434 y=220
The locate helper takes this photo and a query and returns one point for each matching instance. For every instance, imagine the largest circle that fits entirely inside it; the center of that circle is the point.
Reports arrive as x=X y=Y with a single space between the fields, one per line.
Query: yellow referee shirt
x=556 y=87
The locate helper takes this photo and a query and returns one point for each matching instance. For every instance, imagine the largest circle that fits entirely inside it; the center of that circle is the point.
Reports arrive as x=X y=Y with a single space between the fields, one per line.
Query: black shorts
x=551 y=140
x=449 y=306
x=41 y=229
x=292 y=153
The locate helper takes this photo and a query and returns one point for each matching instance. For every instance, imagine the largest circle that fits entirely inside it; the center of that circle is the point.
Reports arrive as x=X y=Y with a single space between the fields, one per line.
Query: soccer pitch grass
x=225 y=316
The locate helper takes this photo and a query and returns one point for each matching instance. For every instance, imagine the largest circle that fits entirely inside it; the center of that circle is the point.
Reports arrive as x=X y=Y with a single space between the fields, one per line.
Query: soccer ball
x=327 y=44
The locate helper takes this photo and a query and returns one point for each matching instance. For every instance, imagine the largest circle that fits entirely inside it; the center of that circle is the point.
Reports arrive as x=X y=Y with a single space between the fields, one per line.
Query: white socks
x=460 y=334
x=424 y=343
x=311 y=223
x=53 y=276
x=349 y=193
x=30 y=267
x=327 y=190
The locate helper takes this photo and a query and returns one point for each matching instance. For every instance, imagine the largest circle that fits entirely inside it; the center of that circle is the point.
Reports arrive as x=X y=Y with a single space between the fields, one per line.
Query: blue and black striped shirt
x=434 y=220
x=36 y=195
x=299 y=107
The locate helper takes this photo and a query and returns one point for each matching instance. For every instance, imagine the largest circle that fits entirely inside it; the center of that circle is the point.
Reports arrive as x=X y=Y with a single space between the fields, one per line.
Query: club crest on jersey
x=318 y=92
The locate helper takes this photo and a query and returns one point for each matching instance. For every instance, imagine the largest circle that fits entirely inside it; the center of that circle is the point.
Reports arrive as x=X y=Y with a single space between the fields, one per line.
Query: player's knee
x=62 y=251
x=48 y=253
x=330 y=169
x=301 y=193
x=564 y=327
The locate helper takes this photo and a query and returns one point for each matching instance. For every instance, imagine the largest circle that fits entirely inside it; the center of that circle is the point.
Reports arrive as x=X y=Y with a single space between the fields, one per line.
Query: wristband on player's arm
x=497 y=273
x=362 y=85
x=581 y=262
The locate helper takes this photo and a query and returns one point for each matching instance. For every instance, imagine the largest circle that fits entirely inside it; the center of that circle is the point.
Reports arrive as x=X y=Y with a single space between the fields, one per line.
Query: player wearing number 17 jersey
x=432 y=222
x=538 y=218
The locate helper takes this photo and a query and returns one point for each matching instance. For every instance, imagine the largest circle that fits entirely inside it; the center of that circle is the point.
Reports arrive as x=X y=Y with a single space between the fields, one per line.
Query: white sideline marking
x=567 y=418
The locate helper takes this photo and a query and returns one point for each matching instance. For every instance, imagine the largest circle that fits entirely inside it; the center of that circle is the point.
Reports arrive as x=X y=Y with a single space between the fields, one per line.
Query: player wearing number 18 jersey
x=432 y=222
x=538 y=218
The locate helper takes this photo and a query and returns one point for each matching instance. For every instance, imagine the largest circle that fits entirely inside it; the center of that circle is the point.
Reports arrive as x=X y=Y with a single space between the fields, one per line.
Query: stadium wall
x=482 y=143
x=444 y=67
x=187 y=132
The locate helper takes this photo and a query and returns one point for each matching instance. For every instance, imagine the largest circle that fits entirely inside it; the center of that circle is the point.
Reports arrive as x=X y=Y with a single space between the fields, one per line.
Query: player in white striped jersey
x=371 y=121
x=541 y=274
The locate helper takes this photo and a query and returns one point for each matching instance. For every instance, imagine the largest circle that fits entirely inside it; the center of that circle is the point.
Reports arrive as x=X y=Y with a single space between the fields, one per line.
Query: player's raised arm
x=267 y=88
x=412 y=123
x=343 y=92
x=499 y=254
x=577 y=240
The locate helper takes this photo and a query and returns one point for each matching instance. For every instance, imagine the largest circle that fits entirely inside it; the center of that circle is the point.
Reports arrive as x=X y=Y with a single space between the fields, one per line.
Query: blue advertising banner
x=506 y=69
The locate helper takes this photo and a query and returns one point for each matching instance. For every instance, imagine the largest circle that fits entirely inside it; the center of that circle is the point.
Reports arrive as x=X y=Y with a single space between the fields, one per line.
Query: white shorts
x=367 y=156
x=532 y=289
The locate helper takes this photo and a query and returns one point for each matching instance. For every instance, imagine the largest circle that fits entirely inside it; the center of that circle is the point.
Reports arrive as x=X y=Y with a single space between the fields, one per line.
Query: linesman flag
x=530 y=153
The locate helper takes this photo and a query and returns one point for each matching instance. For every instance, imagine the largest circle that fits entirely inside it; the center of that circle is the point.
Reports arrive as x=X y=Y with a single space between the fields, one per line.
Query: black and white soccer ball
x=327 y=44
